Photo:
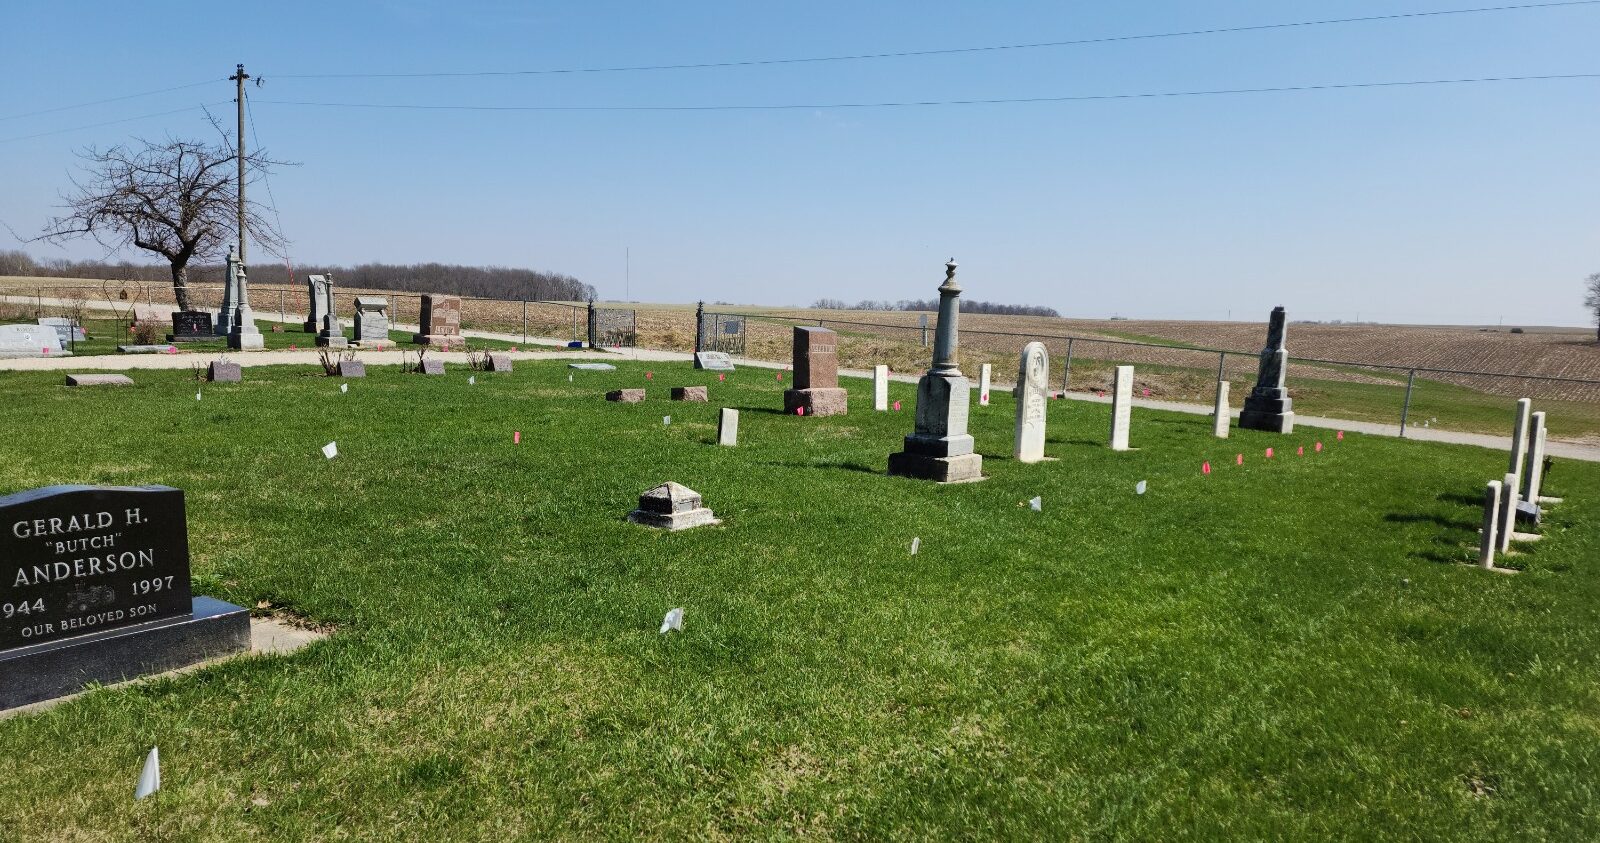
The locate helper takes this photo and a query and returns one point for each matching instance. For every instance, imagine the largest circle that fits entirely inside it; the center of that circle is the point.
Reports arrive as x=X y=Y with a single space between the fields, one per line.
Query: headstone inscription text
x=191 y=326
x=81 y=559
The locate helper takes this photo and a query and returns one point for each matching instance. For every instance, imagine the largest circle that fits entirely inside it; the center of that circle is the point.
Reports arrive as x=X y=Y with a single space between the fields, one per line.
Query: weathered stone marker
x=332 y=333
x=352 y=369
x=1222 y=416
x=441 y=321
x=94 y=587
x=939 y=448
x=499 y=363
x=1519 y=435
x=984 y=373
x=1489 y=539
x=816 y=374
x=715 y=361
x=626 y=396
x=672 y=506
x=690 y=393
x=29 y=341
x=222 y=371
x=433 y=367
x=98 y=380
x=1268 y=406
x=728 y=427
x=243 y=333
x=317 y=288
x=372 y=320
x=1121 y=407
x=1536 y=458
x=880 y=388
x=230 y=294
x=1507 y=516
x=1033 y=370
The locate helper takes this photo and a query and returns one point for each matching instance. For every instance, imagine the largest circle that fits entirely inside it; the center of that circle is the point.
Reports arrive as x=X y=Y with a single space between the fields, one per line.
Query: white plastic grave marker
x=344 y=387
x=330 y=450
x=916 y=543
x=1037 y=504
x=1139 y=489
x=150 y=776
x=673 y=621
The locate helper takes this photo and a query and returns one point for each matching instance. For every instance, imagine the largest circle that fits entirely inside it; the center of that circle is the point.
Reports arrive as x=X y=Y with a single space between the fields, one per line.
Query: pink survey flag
x=897 y=406
x=1239 y=460
x=1099 y=393
x=722 y=376
x=1147 y=393
x=516 y=437
x=1339 y=436
x=649 y=376
x=1269 y=453
x=1319 y=447
x=799 y=411
x=1205 y=467
x=513 y=348
x=777 y=376
x=1300 y=451
x=986 y=398
x=293 y=347
x=172 y=349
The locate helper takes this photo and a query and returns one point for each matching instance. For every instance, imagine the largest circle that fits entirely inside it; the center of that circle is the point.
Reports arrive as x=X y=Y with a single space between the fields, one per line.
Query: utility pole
x=239 y=78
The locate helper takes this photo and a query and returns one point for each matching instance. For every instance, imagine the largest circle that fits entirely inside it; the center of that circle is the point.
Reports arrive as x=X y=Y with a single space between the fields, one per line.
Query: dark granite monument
x=1268 y=407
x=191 y=326
x=940 y=449
x=94 y=587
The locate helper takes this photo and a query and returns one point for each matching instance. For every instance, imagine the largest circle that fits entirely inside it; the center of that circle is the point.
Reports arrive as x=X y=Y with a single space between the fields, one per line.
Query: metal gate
x=611 y=327
x=724 y=332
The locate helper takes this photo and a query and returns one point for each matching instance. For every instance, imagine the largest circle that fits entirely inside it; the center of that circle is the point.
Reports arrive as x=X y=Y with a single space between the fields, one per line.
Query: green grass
x=1296 y=648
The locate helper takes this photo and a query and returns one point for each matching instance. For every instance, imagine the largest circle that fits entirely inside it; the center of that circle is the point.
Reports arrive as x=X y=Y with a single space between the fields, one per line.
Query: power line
x=950 y=51
x=919 y=103
x=104 y=101
x=114 y=122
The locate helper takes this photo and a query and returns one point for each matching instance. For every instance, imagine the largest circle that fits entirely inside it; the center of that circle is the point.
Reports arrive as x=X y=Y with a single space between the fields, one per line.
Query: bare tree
x=1592 y=301
x=177 y=198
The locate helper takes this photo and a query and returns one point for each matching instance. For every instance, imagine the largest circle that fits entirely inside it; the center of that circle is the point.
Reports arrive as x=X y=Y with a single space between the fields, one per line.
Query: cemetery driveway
x=1568 y=450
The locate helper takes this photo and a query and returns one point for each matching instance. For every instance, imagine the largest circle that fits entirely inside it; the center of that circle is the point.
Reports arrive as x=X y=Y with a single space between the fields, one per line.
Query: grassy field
x=1294 y=648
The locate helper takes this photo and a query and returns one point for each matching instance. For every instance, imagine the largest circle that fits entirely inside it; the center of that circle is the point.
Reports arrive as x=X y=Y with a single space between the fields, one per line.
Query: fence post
x=1066 y=371
x=1405 y=411
x=592 y=325
x=524 y=321
x=1222 y=360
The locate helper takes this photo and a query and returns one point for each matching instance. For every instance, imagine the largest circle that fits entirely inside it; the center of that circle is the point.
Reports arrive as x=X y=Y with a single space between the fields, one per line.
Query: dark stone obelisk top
x=1268 y=406
x=940 y=448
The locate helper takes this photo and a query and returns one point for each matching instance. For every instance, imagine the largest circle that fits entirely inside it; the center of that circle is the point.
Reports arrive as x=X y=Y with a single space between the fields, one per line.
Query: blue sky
x=1444 y=204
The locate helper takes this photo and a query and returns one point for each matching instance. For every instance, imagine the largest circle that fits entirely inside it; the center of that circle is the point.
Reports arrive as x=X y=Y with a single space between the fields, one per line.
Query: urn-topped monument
x=1268 y=407
x=940 y=448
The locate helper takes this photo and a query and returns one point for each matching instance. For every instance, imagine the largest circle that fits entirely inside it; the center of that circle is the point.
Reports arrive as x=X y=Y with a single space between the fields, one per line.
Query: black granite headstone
x=191 y=326
x=94 y=587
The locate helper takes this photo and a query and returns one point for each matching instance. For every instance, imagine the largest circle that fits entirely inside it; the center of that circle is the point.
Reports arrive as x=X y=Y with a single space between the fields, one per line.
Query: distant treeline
x=933 y=304
x=490 y=282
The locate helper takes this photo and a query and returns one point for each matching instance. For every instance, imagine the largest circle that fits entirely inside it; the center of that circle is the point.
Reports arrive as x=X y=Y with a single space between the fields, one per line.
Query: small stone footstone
x=433 y=367
x=593 y=367
x=728 y=427
x=690 y=393
x=352 y=369
x=715 y=361
x=672 y=506
x=99 y=380
x=499 y=363
x=224 y=372
x=816 y=374
x=985 y=372
x=626 y=396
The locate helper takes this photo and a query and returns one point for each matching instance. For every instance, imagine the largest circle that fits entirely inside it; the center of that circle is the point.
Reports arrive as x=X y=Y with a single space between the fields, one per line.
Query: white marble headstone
x=1032 y=371
x=1121 y=407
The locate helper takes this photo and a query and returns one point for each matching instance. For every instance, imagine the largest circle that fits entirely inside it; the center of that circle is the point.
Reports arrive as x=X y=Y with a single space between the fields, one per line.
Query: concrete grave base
x=332 y=342
x=1271 y=422
x=966 y=468
x=674 y=520
x=99 y=380
x=56 y=668
x=821 y=401
x=438 y=339
x=626 y=396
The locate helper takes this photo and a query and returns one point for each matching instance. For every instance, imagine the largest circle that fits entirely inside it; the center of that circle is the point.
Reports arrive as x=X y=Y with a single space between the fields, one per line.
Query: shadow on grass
x=1457 y=497
x=1420 y=518
x=844 y=466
